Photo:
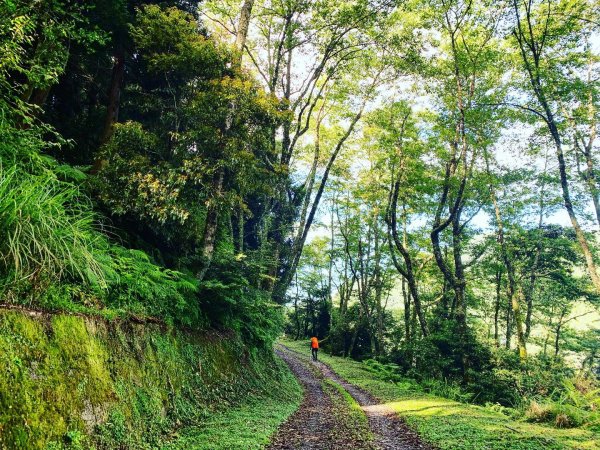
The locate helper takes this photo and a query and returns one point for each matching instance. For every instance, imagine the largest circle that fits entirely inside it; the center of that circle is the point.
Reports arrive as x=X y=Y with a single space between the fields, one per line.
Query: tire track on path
x=312 y=427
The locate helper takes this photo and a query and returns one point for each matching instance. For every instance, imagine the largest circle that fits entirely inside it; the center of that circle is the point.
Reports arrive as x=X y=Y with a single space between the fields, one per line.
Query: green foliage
x=176 y=128
x=72 y=382
x=232 y=302
x=54 y=252
x=138 y=285
x=47 y=228
x=575 y=405
x=156 y=169
x=387 y=372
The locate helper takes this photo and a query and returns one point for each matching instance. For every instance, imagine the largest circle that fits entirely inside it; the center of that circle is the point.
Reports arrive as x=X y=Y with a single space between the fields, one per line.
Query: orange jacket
x=314 y=342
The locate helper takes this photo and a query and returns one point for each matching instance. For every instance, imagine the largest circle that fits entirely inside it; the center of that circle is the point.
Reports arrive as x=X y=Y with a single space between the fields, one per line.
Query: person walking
x=314 y=346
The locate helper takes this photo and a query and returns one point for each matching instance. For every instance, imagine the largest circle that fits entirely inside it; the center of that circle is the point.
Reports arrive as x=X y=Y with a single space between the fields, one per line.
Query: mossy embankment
x=70 y=382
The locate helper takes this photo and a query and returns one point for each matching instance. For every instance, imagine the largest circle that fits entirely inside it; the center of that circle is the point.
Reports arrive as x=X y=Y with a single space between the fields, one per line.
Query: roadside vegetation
x=78 y=383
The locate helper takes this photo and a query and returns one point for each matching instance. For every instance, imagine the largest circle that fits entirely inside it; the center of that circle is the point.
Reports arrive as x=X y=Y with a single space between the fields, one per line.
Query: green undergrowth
x=71 y=382
x=449 y=424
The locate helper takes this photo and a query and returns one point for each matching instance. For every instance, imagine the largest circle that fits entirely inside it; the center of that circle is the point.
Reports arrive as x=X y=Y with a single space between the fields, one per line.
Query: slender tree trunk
x=241 y=231
x=297 y=315
x=112 y=108
x=509 y=323
x=459 y=291
x=372 y=341
x=330 y=265
x=413 y=337
x=406 y=300
x=497 y=306
x=114 y=96
x=536 y=260
x=211 y=224
x=513 y=295
x=557 y=331
x=516 y=306
x=378 y=293
x=354 y=336
x=401 y=246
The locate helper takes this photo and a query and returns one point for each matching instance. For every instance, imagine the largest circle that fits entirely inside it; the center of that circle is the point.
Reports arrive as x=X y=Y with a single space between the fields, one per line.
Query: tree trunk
x=508 y=324
x=297 y=314
x=112 y=107
x=532 y=49
x=39 y=96
x=497 y=307
x=354 y=336
x=557 y=332
x=536 y=260
x=242 y=32
x=212 y=214
x=401 y=246
x=513 y=295
x=460 y=284
x=378 y=294
x=211 y=225
x=406 y=301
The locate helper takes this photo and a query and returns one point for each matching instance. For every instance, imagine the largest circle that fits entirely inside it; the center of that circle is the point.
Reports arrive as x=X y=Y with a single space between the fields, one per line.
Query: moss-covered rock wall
x=69 y=382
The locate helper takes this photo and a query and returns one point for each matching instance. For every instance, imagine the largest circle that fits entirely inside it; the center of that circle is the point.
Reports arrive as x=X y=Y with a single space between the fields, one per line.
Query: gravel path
x=312 y=427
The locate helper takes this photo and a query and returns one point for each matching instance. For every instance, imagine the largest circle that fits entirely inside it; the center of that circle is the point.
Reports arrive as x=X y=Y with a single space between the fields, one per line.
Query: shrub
x=54 y=253
x=47 y=228
x=387 y=372
x=447 y=389
x=537 y=412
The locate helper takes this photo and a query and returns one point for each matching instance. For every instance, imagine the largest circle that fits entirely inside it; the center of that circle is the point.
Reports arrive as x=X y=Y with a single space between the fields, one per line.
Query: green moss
x=70 y=382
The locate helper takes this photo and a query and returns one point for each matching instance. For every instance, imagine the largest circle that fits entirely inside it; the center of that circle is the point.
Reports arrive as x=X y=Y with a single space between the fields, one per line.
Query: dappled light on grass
x=426 y=407
x=465 y=421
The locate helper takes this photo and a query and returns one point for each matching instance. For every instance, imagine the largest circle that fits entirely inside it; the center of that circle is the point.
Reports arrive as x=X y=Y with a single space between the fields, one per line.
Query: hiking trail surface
x=322 y=422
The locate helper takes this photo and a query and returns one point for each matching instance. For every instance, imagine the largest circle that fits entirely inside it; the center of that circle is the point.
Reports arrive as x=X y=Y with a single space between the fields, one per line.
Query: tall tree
x=545 y=29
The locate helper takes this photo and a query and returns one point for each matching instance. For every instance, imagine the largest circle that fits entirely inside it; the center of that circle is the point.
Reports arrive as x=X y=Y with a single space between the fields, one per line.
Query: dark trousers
x=314 y=353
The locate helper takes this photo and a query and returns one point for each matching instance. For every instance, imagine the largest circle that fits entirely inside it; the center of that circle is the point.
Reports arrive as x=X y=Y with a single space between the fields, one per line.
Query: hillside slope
x=74 y=382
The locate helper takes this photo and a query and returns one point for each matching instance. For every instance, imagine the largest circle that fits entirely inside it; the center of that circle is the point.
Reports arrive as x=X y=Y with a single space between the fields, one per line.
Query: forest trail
x=319 y=425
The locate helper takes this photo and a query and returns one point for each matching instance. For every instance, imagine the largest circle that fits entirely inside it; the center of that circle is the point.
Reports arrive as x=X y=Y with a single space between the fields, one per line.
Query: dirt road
x=323 y=422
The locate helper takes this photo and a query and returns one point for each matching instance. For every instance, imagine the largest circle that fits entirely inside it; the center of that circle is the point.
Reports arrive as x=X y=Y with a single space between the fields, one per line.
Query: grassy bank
x=74 y=382
x=247 y=426
x=452 y=425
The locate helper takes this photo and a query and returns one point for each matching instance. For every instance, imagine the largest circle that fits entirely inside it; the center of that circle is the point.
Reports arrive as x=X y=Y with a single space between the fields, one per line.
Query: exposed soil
x=315 y=425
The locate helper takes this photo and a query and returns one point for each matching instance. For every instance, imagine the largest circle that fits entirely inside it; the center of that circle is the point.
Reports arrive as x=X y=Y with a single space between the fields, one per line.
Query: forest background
x=305 y=165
